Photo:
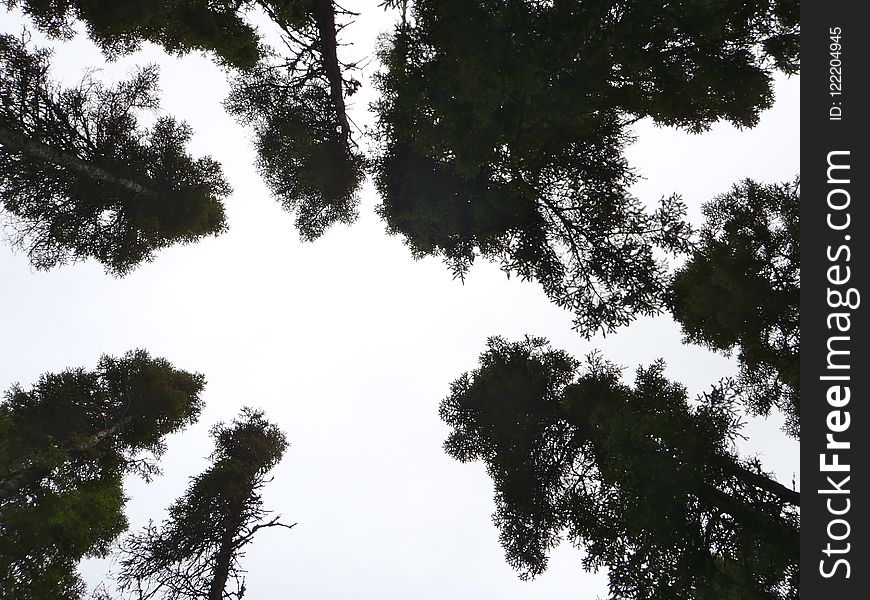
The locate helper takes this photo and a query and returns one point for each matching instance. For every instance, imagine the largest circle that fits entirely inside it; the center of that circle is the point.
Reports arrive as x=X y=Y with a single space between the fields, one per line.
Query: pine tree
x=196 y=552
x=294 y=100
x=65 y=446
x=650 y=487
x=503 y=125
x=78 y=177
x=293 y=97
x=741 y=290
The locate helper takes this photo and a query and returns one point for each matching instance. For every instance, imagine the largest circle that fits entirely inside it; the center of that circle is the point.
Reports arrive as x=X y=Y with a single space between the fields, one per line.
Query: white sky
x=349 y=345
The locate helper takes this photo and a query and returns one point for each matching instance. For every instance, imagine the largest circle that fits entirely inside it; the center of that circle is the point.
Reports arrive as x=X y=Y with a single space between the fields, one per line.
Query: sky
x=349 y=345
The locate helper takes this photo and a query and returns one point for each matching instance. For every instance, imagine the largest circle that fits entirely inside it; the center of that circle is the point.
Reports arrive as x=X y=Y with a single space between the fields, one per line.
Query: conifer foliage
x=80 y=179
x=651 y=487
x=293 y=97
x=503 y=125
x=120 y=27
x=294 y=100
x=195 y=554
x=501 y=132
x=65 y=446
x=740 y=290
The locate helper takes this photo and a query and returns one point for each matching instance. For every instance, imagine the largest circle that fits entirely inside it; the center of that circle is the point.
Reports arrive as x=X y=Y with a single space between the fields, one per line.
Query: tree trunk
x=223 y=561
x=16 y=142
x=227 y=549
x=324 y=16
x=35 y=472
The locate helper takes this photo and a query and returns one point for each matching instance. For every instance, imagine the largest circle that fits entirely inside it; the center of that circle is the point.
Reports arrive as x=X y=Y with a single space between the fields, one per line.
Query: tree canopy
x=79 y=178
x=179 y=27
x=292 y=96
x=650 y=486
x=294 y=99
x=503 y=123
x=502 y=127
x=65 y=446
x=741 y=290
x=196 y=552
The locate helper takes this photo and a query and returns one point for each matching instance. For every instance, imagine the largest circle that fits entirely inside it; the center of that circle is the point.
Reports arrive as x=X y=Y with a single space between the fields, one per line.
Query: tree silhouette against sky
x=648 y=485
x=65 y=446
x=503 y=124
x=80 y=179
x=501 y=132
x=195 y=554
x=740 y=290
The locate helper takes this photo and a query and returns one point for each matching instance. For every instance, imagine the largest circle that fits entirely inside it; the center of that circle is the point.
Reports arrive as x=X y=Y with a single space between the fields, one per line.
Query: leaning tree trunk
x=324 y=16
x=17 y=142
x=762 y=524
x=223 y=562
x=228 y=543
x=33 y=473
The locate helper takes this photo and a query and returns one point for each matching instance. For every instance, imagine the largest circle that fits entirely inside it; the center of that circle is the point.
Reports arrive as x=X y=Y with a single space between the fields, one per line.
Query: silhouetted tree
x=503 y=124
x=293 y=97
x=65 y=446
x=652 y=488
x=80 y=180
x=741 y=289
x=120 y=27
x=196 y=553
x=294 y=100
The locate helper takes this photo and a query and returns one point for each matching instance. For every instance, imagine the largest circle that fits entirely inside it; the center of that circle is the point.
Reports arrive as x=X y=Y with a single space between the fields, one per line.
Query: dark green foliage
x=79 y=179
x=293 y=98
x=741 y=289
x=648 y=485
x=301 y=151
x=688 y=63
x=295 y=102
x=503 y=124
x=196 y=553
x=573 y=227
x=65 y=446
x=180 y=26
x=41 y=545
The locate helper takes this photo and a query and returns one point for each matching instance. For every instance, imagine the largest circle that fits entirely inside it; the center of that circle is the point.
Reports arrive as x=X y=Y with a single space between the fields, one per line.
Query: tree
x=65 y=446
x=502 y=127
x=292 y=97
x=196 y=553
x=741 y=289
x=80 y=180
x=179 y=27
x=294 y=100
x=652 y=488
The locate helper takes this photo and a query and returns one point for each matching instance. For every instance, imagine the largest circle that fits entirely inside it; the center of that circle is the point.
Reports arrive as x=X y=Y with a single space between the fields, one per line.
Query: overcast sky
x=349 y=345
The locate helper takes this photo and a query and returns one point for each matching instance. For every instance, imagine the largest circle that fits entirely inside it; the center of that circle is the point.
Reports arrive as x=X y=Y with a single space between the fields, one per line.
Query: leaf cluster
x=179 y=26
x=649 y=486
x=302 y=153
x=80 y=179
x=65 y=446
x=740 y=290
